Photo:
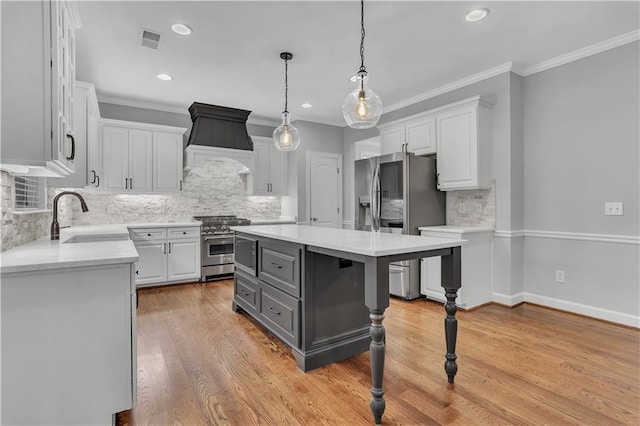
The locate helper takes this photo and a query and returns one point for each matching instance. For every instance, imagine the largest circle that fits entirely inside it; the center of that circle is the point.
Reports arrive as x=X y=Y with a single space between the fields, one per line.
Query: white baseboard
x=590 y=311
x=505 y=299
x=563 y=305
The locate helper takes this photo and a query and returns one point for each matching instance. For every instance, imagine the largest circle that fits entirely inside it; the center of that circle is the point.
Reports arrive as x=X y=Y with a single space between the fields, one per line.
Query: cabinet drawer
x=279 y=265
x=281 y=314
x=184 y=232
x=145 y=234
x=246 y=292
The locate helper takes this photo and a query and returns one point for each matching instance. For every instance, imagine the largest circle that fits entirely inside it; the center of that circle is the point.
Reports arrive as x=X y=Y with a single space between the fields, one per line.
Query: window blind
x=29 y=193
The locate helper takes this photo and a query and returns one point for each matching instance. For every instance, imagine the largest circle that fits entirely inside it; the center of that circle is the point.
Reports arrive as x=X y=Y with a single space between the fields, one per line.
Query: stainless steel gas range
x=217 y=245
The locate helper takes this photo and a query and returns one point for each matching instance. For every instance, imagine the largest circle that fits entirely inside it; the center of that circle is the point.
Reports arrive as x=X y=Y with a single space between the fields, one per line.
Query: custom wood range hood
x=218 y=132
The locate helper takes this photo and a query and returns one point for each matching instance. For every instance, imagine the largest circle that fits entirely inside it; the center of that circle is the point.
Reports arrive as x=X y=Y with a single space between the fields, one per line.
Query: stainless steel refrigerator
x=397 y=193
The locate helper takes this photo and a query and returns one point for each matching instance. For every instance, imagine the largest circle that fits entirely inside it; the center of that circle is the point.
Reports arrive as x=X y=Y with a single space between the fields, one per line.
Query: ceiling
x=232 y=58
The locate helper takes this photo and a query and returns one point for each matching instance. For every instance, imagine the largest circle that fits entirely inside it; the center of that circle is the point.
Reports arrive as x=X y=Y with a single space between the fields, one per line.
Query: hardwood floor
x=199 y=363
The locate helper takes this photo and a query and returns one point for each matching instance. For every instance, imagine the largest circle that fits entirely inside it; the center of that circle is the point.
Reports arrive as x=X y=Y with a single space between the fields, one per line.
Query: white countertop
x=162 y=225
x=359 y=242
x=111 y=246
x=272 y=221
x=457 y=229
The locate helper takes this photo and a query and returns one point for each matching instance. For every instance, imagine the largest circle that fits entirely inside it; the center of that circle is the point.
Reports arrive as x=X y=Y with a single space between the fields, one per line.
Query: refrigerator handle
x=374 y=198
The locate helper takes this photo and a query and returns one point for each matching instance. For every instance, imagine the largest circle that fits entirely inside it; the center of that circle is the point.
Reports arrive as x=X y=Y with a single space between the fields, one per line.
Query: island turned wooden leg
x=376 y=295
x=376 y=354
x=451 y=281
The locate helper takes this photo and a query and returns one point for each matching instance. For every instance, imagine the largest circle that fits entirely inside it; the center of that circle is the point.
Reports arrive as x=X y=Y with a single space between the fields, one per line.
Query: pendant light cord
x=362 y=67
x=286 y=86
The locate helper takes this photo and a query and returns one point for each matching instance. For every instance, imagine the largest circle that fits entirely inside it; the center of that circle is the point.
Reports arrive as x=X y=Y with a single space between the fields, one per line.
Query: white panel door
x=421 y=135
x=140 y=160
x=115 y=148
x=183 y=260
x=325 y=189
x=152 y=266
x=167 y=162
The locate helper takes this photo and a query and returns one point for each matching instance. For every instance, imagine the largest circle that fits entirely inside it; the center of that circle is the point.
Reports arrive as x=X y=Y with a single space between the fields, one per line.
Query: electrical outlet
x=560 y=276
x=613 y=208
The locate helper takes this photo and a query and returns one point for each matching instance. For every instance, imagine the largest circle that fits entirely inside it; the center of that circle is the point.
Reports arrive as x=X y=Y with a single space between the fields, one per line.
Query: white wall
x=581 y=148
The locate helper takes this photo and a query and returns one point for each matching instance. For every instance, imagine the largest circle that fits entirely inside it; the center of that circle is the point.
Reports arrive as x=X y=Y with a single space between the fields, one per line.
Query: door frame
x=308 y=185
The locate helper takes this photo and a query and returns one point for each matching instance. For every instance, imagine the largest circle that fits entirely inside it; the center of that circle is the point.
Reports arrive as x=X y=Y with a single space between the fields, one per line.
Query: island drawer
x=144 y=234
x=246 y=292
x=281 y=314
x=279 y=265
x=184 y=232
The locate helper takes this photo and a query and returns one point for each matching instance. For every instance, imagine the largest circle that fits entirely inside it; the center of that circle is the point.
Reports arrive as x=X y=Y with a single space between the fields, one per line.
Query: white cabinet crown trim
x=143 y=126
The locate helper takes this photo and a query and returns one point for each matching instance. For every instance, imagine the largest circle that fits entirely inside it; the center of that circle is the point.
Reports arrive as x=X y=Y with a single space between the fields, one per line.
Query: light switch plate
x=613 y=208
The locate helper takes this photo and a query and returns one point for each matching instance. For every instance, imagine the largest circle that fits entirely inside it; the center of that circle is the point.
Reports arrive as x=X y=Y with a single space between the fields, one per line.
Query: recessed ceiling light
x=181 y=29
x=306 y=105
x=477 y=15
x=164 y=77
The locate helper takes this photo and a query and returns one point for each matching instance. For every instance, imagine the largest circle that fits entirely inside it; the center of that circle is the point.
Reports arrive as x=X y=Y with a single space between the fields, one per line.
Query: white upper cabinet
x=270 y=173
x=417 y=132
x=167 y=162
x=85 y=119
x=38 y=71
x=140 y=157
x=464 y=145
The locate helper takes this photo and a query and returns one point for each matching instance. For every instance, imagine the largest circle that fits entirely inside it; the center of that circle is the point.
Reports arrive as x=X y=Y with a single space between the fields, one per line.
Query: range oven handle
x=221 y=239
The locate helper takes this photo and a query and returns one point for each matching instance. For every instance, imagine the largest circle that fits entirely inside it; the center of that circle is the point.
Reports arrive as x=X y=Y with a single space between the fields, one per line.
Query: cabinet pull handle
x=169 y=248
x=126 y=183
x=148 y=235
x=180 y=185
x=130 y=183
x=94 y=176
x=73 y=148
x=274 y=311
x=98 y=183
x=275 y=265
x=184 y=232
x=438 y=180
x=164 y=248
x=137 y=272
x=244 y=293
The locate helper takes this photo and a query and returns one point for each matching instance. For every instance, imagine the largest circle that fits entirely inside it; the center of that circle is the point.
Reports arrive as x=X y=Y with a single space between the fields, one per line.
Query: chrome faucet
x=55 y=227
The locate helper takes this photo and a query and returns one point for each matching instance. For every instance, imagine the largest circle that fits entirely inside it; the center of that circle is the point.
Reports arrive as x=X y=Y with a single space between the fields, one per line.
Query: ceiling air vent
x=150 y=39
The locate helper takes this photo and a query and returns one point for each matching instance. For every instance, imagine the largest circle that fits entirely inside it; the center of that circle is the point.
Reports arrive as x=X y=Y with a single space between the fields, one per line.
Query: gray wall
x=581 y=149
x=143 y=115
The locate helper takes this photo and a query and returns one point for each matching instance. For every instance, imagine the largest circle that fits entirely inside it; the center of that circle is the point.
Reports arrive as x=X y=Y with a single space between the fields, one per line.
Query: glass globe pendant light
x=286 y=137
x=362 y=107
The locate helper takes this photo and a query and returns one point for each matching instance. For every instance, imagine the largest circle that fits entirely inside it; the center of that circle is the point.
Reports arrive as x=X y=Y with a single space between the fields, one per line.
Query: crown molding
x=582 y=53
x=176 y=109
x=142 y=104
x=501 y=69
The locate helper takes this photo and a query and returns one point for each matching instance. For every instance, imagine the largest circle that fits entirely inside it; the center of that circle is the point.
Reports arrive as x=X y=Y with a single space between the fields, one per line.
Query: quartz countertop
x=78 y=246
x=162 y=225
x=272 y=221
x=457 y=229
x=358 y=242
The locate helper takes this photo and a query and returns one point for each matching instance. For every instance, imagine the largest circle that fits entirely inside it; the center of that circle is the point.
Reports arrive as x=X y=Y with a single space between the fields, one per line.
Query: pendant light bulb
x=362 y=107
x=286 y=137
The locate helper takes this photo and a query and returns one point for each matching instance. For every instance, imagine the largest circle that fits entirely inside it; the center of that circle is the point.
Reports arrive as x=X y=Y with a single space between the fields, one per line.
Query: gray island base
x=307 y=286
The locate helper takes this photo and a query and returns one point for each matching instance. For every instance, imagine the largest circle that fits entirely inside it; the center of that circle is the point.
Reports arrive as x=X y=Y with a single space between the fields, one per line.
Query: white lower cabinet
x=68 y=345
x=477 y=265
x=168 y=255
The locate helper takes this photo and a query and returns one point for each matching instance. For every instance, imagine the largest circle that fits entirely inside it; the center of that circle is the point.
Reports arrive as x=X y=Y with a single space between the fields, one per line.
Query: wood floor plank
x=200 y=363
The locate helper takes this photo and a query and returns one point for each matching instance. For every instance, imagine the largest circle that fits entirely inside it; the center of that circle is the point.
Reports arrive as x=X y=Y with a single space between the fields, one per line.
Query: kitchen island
x=307 y=285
